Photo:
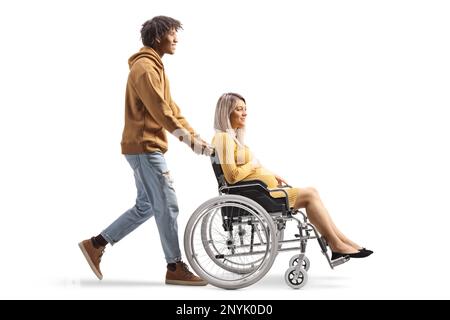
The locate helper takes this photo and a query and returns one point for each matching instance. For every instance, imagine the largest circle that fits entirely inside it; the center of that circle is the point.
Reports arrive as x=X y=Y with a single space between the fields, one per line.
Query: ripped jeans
x=155 y=197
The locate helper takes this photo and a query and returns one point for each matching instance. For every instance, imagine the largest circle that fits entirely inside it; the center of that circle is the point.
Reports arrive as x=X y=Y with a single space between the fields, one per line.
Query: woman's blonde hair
x=225 y=106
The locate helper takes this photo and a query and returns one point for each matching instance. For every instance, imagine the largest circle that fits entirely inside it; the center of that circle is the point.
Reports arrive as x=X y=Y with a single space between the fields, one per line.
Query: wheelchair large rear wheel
x=231 y=241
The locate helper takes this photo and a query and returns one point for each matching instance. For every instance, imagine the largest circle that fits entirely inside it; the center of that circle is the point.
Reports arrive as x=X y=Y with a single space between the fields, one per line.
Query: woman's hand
x=280 y=180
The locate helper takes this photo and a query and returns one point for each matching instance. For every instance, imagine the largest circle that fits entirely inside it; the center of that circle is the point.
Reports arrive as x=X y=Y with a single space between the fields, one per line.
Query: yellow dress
x=236 y=162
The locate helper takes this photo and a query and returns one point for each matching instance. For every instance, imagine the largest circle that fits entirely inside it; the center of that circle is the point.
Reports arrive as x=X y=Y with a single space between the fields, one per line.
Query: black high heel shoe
x=337 y=255
x=369 y=252
x=360 y=254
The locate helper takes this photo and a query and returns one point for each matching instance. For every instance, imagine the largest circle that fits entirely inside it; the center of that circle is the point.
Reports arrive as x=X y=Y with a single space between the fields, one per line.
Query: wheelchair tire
x=294 y=278
x=232 y=251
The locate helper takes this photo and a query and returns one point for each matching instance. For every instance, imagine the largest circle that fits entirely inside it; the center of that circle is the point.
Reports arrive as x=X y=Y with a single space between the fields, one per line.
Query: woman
x=238 y=164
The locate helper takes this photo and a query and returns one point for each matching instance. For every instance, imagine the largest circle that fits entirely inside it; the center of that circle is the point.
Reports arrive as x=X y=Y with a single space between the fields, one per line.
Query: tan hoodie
x=149 y=108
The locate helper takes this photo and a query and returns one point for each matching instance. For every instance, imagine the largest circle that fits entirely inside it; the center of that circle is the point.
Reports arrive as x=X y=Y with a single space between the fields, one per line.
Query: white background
x=350 y=97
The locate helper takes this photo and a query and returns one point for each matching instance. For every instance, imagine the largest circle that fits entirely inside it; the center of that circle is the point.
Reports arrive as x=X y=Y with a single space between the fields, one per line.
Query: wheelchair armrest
x=255 y=185
x=249 y=182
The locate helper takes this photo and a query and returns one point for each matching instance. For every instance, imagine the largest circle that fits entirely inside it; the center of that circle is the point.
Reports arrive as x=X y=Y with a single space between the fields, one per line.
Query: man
x=149 y=111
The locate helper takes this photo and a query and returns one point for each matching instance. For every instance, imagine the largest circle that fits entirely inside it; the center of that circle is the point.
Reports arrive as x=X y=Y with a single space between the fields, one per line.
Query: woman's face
x=237 y=117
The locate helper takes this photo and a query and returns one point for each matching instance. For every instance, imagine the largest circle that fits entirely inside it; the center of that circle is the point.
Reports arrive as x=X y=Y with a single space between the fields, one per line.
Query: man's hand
x=207 y=149
x=200 y=146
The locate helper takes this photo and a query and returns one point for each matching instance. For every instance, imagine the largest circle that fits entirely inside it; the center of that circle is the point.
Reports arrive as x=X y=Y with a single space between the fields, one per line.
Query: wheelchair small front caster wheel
x=305 y=262
x=296 y=279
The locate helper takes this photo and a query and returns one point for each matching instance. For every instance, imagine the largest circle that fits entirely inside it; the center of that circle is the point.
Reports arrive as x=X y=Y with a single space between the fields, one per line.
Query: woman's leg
x=344 y=238
x=336 y=230
x=309 y=199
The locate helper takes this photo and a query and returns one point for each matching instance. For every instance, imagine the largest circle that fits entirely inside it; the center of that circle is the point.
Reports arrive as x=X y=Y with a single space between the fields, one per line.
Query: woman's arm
x=233 y=172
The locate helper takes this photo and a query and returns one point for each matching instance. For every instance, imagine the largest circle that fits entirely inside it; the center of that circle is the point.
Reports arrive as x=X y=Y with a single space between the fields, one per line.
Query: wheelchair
x=232 y=240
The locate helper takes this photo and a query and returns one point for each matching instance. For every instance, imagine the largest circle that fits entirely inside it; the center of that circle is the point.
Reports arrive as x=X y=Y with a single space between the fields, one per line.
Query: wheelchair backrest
x=218 y=172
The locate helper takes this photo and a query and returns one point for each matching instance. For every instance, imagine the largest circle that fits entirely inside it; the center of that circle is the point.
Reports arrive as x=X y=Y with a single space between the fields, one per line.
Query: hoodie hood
x=148 y=53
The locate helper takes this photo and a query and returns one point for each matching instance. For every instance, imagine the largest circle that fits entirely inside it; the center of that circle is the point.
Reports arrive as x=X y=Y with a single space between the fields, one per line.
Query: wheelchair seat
x=253 y=189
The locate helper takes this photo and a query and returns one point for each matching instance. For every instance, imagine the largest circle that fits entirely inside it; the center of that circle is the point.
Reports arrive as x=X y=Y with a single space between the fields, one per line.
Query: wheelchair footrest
x=340 y=261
